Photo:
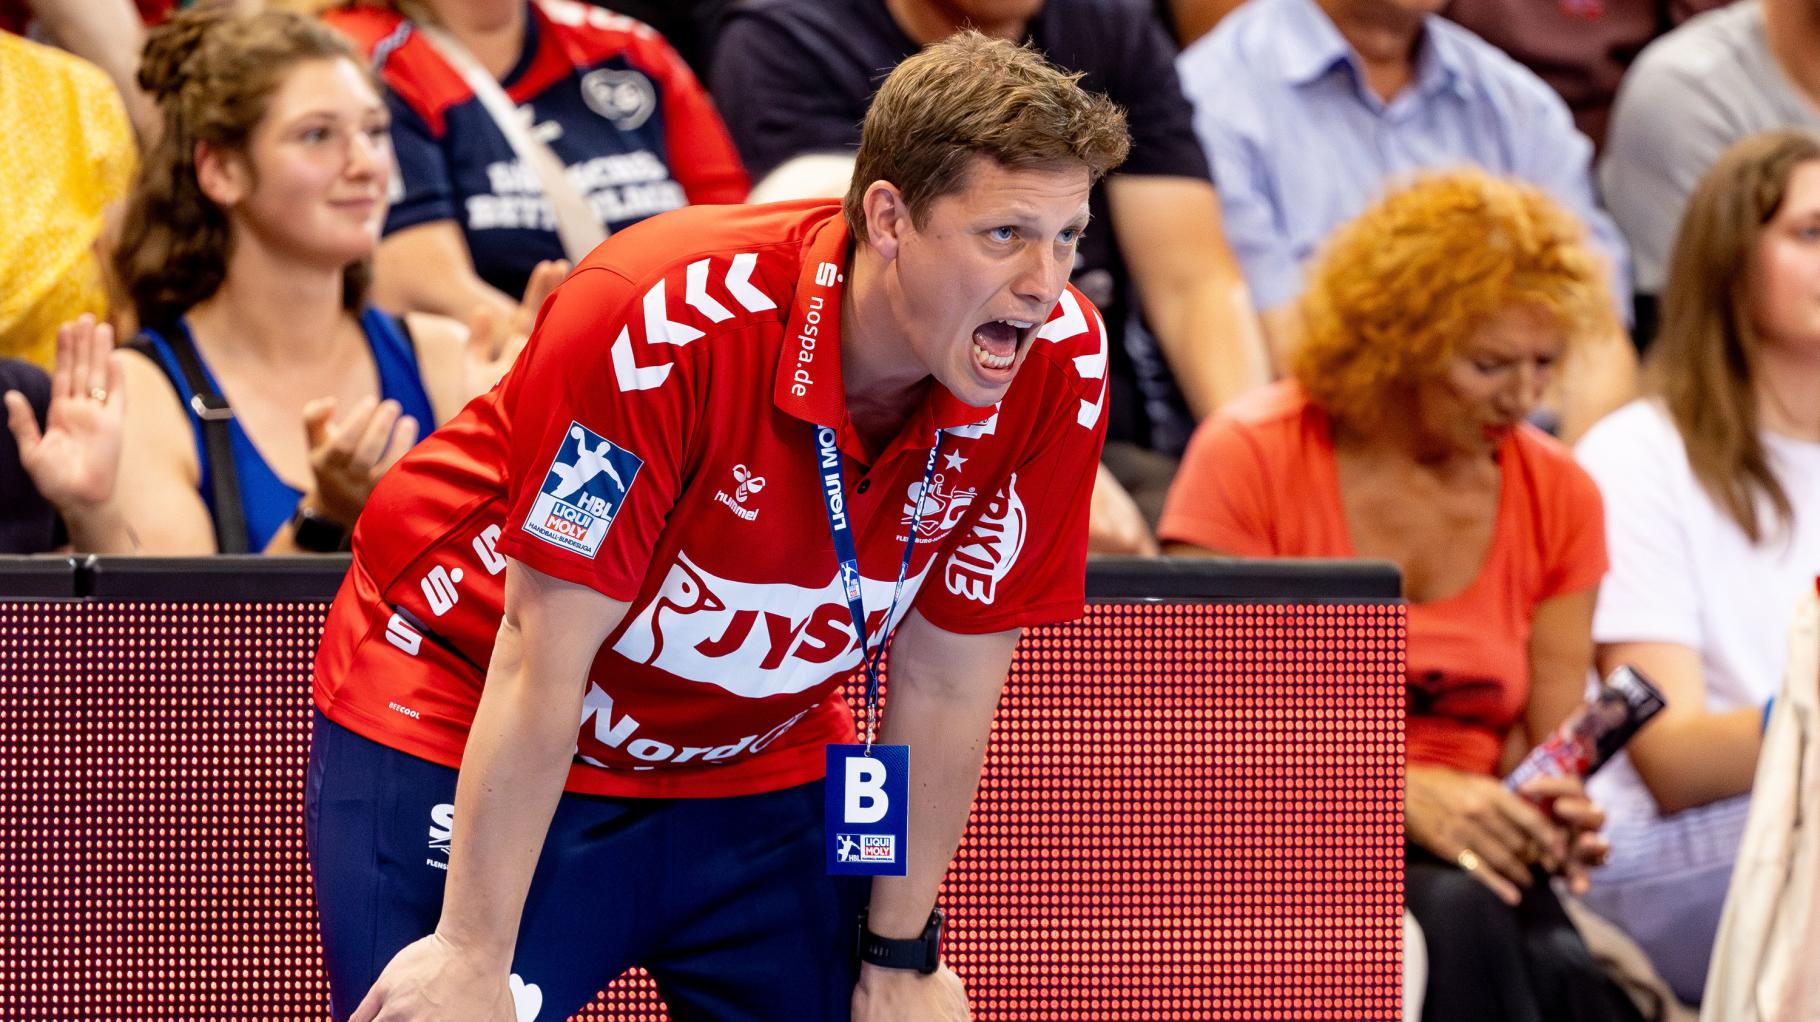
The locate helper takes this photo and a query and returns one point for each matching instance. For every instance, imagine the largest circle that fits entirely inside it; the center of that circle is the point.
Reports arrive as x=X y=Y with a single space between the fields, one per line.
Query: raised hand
x=349 y=454
x=494 y=342
x=76 y=458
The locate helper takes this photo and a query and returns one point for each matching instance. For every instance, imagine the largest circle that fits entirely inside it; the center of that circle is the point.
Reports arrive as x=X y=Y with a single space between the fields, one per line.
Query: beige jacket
x=1766 y=960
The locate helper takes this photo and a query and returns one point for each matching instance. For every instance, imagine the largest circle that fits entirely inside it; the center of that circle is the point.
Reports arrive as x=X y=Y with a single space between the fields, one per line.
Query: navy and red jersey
x=635 y=129
x=655 y=442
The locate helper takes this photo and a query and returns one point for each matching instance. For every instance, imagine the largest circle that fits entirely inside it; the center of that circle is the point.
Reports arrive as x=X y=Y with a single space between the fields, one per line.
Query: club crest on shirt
x=627 y=98
x=583 y=491
x=943 y=504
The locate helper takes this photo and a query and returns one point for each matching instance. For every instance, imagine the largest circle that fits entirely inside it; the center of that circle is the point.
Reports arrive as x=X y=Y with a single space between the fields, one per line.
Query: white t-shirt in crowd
x=1682 y=571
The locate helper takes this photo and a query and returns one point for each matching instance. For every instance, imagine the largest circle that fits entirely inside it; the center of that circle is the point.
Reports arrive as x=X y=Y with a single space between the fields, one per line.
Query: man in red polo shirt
x=578 y=693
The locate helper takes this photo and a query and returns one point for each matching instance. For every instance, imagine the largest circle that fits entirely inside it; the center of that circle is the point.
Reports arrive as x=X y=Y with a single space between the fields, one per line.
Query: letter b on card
x=868 y=811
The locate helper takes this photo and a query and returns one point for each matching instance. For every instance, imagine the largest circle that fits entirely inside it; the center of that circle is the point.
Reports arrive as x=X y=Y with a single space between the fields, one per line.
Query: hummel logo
x=749 y=484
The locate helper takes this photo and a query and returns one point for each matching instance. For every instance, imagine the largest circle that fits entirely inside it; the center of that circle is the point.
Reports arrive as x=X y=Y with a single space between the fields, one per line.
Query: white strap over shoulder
x=576 y=222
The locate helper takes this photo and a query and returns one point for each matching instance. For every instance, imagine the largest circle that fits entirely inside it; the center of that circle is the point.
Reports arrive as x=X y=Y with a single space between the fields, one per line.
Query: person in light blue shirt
x=1310 y=109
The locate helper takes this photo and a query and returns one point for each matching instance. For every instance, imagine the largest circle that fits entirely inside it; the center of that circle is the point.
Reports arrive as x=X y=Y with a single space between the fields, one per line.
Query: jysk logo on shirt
x=585 y=488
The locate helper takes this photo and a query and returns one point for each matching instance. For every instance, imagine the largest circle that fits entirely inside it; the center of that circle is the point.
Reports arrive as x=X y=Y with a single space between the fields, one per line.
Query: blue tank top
x=267 y=501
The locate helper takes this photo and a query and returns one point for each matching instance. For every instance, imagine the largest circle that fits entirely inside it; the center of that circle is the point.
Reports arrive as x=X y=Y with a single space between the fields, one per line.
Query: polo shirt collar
x=1309 y=45
x=809 y=384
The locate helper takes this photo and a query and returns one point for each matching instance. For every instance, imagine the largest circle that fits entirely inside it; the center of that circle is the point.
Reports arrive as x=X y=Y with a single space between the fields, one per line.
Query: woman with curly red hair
x=1434 y=324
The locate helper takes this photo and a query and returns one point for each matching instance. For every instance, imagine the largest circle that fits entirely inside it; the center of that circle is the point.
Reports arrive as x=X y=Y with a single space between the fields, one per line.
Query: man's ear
x=223 y=176
x=887 y=218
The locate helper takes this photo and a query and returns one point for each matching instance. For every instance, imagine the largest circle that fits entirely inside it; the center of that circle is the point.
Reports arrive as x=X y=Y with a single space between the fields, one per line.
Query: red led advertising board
x=1191 y=811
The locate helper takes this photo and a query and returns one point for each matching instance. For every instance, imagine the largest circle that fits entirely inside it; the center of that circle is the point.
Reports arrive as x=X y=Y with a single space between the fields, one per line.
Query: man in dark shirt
x=794 y=77
x=28 y=524
x=67 y=430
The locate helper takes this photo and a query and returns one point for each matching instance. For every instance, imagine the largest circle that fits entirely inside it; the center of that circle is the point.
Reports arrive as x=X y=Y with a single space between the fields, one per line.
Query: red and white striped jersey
x=655 y=442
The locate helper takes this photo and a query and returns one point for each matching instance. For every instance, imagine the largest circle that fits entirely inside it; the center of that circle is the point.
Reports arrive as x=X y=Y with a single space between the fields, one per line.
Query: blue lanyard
x=828 y=459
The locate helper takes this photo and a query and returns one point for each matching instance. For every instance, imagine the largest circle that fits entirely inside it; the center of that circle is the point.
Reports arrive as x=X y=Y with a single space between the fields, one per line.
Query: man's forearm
x=1600 y=378
x=1212 y=341
x=946 y=730
x=426 y=269
x=108 y=34
x=512 y=773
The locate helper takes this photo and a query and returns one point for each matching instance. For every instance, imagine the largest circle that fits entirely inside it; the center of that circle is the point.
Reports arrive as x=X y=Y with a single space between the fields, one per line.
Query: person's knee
x=1459 y=914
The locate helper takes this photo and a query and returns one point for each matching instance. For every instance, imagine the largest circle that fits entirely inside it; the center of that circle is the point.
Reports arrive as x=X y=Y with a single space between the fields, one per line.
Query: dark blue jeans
x=724 y=901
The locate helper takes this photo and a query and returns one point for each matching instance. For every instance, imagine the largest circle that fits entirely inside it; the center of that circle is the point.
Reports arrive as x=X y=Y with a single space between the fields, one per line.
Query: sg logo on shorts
x=584 y=490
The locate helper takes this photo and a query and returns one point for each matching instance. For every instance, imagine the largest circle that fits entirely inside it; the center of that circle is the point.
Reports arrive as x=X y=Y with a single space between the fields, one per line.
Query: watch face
x=319 y=535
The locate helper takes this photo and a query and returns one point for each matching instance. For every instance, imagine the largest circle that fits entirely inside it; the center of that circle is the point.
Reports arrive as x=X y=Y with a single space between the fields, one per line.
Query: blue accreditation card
x=867 y=826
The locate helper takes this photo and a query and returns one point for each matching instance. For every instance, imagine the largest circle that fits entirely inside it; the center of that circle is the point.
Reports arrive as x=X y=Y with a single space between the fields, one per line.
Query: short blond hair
x=971 y=95
x=1396 y=292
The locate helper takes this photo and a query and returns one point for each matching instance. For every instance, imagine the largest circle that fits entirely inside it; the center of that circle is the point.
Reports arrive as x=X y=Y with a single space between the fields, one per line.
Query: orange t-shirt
x=1260 y=480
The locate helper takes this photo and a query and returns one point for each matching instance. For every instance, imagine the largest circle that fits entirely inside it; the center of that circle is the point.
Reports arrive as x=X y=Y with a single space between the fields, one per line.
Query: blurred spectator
x=70 y=155
x=244 y=252
x=1433 y=322
x=795 y=76
x=1579 y=47
x=107 y=33
x=1713 y=484
x=28 y=522
x=1309 y=108
x=1747 y=68
x=618 y=109
x=689 y=25
x=1193 y=19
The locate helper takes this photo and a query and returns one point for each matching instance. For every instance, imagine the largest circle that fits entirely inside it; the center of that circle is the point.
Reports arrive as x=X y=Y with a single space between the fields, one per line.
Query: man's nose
x=1042 y=277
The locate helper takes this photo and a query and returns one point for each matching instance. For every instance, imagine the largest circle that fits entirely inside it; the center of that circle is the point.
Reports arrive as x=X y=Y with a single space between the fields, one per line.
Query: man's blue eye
x=1070 y=235
x=1003 y=233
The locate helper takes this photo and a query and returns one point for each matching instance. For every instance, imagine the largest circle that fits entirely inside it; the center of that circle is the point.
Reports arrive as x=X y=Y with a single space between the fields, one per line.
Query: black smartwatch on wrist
x=922 y=954
x=316 y=533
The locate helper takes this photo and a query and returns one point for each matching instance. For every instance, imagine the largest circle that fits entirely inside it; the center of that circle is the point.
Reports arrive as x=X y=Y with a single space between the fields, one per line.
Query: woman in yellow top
x=73 y=157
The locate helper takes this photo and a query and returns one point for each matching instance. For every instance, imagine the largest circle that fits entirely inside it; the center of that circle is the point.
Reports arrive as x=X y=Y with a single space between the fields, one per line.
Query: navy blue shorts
x=725 y=901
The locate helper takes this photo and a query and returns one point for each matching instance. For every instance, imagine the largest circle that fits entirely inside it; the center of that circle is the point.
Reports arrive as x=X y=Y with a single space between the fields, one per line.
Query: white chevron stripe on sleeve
x=1071 y=323
x=1093 y=367
x=696 y=294
x=659 y=328
x=628 y=373
x=739 y=284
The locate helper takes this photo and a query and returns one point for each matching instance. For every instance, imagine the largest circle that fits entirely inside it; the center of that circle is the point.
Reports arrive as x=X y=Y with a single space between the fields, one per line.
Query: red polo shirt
x=656 y=443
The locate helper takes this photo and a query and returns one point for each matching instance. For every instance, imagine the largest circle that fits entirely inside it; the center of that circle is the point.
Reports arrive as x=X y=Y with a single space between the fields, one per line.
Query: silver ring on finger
x=98 y=394
x=1469 y=860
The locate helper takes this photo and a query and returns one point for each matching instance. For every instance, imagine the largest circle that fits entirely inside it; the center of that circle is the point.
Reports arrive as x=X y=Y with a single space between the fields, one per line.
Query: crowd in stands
x=1524 y=298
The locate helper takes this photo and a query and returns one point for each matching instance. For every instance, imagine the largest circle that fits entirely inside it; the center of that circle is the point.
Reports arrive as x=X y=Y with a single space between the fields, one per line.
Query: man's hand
x=901 y=995
x=432 y=980
x=1115 y=525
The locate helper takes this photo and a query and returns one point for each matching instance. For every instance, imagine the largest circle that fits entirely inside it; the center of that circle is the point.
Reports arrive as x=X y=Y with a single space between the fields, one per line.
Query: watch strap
x=317 y=533
x=922 y=953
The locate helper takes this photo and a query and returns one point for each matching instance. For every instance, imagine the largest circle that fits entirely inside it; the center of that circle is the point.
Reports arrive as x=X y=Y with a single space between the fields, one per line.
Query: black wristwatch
x=922 y=953
x=313 y=532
